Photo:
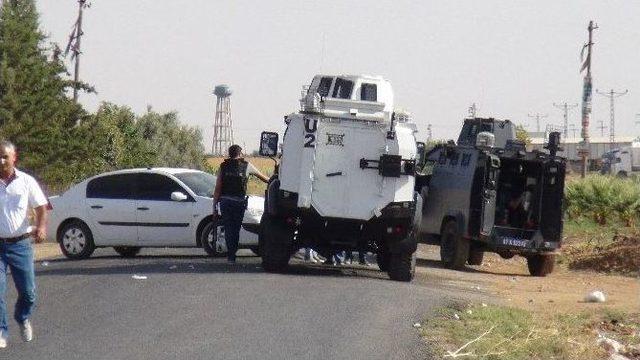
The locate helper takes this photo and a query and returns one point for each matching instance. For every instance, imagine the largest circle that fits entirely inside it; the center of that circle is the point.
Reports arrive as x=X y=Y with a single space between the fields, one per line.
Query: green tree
x=173 y=144
x=522 y=134
x=35 y=112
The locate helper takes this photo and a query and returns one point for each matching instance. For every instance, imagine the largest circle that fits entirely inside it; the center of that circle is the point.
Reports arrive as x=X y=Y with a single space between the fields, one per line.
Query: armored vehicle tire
x=127 y=251
x=275 y=249
x=382 y=258
x=541 y=264
x=454 y=249
x=475 y=257
x=402 y=266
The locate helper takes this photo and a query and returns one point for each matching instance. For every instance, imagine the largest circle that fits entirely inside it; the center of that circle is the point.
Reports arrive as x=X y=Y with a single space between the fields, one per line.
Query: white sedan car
x=136 y=208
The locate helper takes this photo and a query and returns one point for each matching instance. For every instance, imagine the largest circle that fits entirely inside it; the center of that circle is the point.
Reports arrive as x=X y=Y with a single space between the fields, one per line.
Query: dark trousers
x=232 y=215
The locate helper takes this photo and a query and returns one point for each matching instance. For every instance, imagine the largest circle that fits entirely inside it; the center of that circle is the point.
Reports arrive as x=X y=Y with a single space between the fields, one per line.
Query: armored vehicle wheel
x=541 y=264
x=127 y=251
x=454 y=250
x=475 y=257
x=275 y=245
x=402 y=266
x=382 y=258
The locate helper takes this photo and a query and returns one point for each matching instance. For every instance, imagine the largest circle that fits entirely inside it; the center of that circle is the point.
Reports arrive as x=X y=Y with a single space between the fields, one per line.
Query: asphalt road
x=194 y=307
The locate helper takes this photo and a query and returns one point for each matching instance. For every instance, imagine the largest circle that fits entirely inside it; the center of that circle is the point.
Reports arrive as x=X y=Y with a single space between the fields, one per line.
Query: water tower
x=222 y=124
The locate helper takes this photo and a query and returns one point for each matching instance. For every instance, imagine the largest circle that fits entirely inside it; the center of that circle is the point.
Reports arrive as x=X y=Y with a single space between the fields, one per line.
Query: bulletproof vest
x=234 y=177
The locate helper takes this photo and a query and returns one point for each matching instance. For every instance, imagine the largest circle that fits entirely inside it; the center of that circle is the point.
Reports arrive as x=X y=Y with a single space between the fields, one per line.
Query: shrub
x=603 y=198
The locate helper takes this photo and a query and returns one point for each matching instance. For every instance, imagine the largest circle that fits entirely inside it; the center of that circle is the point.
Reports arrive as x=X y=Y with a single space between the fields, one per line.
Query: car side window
x=156 y=187
x=112 y=187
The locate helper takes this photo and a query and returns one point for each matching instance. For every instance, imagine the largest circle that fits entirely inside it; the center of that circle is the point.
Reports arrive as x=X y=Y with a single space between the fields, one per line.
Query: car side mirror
x=178 y=196
x=268 y=144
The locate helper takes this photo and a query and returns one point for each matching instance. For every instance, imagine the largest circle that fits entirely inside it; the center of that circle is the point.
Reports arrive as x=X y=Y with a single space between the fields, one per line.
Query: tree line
x=59 y=141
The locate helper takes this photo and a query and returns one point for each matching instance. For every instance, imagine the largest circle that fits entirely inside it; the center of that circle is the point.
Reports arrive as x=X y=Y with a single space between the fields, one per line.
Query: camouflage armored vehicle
x=487 y=193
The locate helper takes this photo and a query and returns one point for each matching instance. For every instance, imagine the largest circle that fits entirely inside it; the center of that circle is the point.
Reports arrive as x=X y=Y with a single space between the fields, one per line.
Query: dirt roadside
x=508 y=282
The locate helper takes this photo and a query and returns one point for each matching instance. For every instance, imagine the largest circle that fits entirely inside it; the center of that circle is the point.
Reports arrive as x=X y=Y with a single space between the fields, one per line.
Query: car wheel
x=76 y=240
x=454 y=249
x=382 y=258
x=402 y=266
x=475 y=257
x=211 y=238
x=275 y=245
x=127 y=251
x=541 y=264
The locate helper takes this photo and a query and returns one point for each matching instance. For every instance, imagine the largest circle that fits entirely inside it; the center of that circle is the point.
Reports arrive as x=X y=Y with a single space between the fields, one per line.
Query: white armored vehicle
x=346 y=177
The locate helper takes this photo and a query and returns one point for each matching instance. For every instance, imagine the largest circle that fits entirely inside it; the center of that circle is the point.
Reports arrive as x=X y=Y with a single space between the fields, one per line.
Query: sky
x=511 y=58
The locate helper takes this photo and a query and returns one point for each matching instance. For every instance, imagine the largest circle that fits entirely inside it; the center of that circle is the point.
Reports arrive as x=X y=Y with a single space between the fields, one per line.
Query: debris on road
x=44 y=263
x=417 y=325
x=173 y=267
x=456 y=316
x=595 y=297
x=139 y=277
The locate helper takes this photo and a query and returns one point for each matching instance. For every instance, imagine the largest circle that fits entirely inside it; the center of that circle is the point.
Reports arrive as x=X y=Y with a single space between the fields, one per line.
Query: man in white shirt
x=18 y=193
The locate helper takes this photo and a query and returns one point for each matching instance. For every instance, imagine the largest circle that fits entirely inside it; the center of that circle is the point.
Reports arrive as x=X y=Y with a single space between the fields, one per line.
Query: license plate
x=513 y=241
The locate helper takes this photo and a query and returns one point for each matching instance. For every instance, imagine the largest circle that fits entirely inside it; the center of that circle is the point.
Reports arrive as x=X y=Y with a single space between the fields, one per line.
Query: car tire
x=76 y=240
x=127 y=251
x=382 y=258
x=454 y=249
x=402 y=266
x=209 y=237
x=541 y=264
x=276 y=249
x=475 y=257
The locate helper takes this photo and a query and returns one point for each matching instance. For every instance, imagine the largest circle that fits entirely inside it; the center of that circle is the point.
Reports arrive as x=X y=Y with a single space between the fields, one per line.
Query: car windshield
x=201 y=183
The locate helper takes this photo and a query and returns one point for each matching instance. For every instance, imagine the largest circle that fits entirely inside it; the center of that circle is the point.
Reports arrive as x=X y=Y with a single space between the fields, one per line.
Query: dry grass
x=255 y=186
x=509 y=333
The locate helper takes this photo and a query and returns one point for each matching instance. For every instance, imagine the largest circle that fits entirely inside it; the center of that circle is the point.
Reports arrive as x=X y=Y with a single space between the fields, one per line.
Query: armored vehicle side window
x=369 y=92
x=342 y=89
x=325 y=85
x=470 y=132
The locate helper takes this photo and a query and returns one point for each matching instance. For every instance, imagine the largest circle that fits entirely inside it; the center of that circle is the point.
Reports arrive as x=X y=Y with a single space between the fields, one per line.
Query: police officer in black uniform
x=231 y=194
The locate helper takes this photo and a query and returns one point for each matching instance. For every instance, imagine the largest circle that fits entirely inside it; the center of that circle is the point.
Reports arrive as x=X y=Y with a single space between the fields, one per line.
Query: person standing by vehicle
x=18 y=193
x=231 y=194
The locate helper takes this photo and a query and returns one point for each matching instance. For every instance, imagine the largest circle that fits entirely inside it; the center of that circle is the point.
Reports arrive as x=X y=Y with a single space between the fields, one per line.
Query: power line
x=612 y=124
x=538 y=116
x=565 y=108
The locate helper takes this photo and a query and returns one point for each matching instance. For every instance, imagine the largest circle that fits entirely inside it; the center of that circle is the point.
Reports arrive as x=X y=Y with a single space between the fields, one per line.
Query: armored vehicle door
x=489 y=193
x=551 y=202
x=483 y=195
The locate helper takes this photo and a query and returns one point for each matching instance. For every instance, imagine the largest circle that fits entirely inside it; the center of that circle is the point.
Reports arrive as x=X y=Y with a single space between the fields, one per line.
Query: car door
x=112 y=209
x=162 y=221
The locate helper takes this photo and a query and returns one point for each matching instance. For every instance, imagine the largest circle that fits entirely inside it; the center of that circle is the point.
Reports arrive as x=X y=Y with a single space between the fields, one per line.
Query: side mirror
x=421 y=154
x=178 y=196
x=268 y=144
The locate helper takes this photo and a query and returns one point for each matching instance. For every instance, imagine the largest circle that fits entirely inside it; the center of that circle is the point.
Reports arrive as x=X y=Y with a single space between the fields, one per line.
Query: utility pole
x=538 y=116
x=565 y=108
x=74 y=46
x=586 y=99
x=602 y=127
x=612 y=124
